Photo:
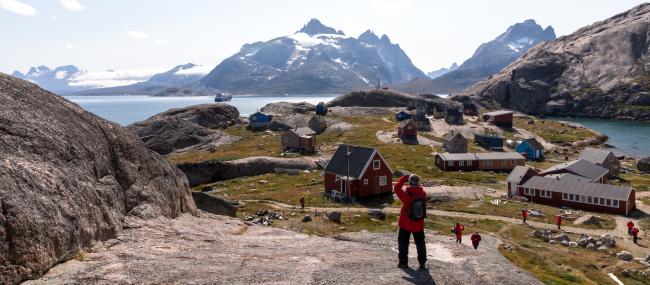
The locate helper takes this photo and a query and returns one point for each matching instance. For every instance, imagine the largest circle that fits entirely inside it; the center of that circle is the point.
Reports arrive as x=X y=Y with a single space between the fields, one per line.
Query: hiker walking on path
x=630 y=226
x=558 y=220
x=476 y=239
x=302 y=203
x=411 y=219
x=635 y=234
x=458 y=230
x=524 y=214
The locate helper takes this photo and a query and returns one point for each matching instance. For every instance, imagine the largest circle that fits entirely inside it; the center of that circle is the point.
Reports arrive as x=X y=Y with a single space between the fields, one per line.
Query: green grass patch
x=552 y=131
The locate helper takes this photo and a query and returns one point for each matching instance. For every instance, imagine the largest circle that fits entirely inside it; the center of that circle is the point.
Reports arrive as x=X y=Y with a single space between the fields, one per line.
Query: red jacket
x=524 y=213
x=635 y=231
x=476 y=238
x=630 y=225
x=559 y=220
x=415 y=193
x=459 y=230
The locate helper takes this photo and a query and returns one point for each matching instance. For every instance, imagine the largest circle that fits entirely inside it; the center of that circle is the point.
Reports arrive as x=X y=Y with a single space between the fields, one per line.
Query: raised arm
x=398 y=188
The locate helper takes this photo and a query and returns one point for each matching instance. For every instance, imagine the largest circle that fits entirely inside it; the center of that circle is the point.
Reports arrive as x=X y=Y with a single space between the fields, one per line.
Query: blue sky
x=159 y=34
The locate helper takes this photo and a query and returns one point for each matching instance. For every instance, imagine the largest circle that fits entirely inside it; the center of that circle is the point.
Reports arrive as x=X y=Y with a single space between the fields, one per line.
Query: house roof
x=579 y=167
x=358 y=160
x=579 y=187
x=517 y=174
x=498 y=155
x=303 y=131
x=534 y=143
x=457 y=156
x=452 y=135
x=406 y=122
x=568 y=176
x=489 y=136
x=595 y=155
x=498 y=113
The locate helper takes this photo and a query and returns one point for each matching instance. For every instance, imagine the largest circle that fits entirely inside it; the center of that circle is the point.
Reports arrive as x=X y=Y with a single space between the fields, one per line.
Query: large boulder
x=215 y=170
x=385 y=98
x=643 y=165
x=287 y=108
x=69 y=178
x=587 y=220
x=190 y=128
x=214 y=205
x=625 y=256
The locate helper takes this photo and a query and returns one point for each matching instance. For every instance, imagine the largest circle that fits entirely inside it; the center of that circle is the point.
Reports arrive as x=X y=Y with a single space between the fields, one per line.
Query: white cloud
x=197 y=70
x=61 y=74
x=392 y=7
x=140 y=35
x=70 y=46
x=160 y=42
x=112 y=78
x=18 y=7
x=52 y=17
x=72 y=5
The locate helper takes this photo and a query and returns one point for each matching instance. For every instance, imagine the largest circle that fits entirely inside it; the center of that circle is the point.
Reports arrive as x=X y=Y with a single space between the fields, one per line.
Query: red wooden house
x=407 y=130
x=301 y=140
x=358 y=172
x=502 y=118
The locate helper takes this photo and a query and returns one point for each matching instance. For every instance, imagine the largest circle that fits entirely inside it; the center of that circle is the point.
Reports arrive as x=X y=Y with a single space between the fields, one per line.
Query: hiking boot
x=399 y=265
x=422 y=268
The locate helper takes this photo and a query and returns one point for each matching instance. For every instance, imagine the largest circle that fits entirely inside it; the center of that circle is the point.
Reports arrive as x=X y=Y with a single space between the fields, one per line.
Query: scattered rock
x=591 y=246
x=334 y=216
x=603 y=249
x=587 y=220
x=583 y=241
x=625 y=272
x=263 y=181
x=573 y=244
x=552 y=241
x=564 y=243
x=306 y=218
x=286 y=108
x=562 y=237
x=608 y=240
x=377 y=214
x=625 y=256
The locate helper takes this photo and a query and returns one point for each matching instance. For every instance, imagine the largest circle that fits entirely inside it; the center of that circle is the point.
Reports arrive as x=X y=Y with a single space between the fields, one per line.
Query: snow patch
x=196 y=70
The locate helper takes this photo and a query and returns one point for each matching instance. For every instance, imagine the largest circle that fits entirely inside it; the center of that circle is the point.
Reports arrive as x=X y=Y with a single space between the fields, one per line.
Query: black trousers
x=403 y=240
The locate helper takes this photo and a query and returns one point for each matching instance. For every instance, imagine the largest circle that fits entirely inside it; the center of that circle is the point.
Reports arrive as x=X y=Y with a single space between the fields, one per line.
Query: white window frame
x=545 y=194
x=615 y=203
x=450 y=163
x=461 y=163
x=365 y=181
x=590 y=200
x=376 y=164
x=529 y=191
x=285 y=139
x=565 y=196
x=469 y=163
x=382 y=180
x=608 y=202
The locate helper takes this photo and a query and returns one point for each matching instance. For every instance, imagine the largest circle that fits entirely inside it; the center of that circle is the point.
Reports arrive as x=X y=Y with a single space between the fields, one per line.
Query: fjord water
x=631 y=137
x=126 y=110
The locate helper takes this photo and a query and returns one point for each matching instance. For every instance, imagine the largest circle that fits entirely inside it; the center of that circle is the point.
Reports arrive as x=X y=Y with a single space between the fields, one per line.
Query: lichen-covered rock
x=643 y=165
x=287 y=108
x=68 y=179
x=625 y=256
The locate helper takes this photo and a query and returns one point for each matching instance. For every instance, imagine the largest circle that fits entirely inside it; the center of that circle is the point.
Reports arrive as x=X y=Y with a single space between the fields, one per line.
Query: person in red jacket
x=524 y=214
x=630 y=226
x=558 y=221
x=408 y=226
x=476 y=239
x=302 y=203
x=635 y=234
x=458 y=230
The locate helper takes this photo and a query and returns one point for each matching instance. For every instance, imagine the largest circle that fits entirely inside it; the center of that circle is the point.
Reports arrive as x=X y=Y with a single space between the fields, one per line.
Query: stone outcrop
x=69 y=178
x=287 y=108
x=598 y=71
x=214 y=170
x=386 y=98
x=218 y=249
x=190 y=128
x=214 y=205
x=643 y=165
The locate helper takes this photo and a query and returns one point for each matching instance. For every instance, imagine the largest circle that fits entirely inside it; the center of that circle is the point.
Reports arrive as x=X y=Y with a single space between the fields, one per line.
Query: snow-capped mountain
x=315 y=59
x=442 y=71
x=55 y=80
x=488 y=59
x=178 y=76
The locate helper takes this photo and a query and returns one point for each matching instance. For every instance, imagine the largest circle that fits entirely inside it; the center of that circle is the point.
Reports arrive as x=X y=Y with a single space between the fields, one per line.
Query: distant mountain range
x=440 y=72
x=315 y=59
x=178 y=76
x=488 y=59
x=58 y=80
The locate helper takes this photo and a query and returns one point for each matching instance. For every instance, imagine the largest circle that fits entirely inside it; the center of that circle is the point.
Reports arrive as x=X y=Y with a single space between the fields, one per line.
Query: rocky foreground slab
x=216 y=249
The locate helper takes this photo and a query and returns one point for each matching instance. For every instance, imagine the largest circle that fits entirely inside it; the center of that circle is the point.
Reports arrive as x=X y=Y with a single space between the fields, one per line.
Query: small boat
x=222 y=98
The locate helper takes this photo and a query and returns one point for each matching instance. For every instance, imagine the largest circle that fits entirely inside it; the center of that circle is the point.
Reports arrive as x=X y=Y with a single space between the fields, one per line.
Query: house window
x=545 y=193
x=577 y=198
x=382 y=180
x=565 y=196
x=602 y=201
x=528 y=191
x=609 y=202
x=461 y=163
x=469 y=163
x=450 y=163
x=375 y=164
x=571 y=197
x=615 y=203
x=285 y=139
x=365 y=181
x=589 y=199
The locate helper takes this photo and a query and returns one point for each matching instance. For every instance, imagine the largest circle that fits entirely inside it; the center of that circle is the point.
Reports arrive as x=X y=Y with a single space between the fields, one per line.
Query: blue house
x=531 y=149
x=259 y=120
x=489 y=142
x=403 y=116
x=321 y=109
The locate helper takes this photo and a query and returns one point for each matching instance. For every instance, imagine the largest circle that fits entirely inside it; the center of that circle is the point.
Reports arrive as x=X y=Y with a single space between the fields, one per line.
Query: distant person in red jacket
x=524 y=214
x=458 y=230
x=476 y=239
x=411 y=219
x=635 y=234
x=302 y=203
x=558 y=221
x=630 y=226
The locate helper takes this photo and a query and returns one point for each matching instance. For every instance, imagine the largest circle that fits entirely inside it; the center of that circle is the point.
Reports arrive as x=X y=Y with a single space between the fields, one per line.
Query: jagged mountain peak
x=528 y=29
x=369 y=37
x=314 y=27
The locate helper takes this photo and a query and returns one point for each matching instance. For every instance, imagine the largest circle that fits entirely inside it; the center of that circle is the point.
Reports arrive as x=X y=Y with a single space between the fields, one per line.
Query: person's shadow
x=418 y=277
